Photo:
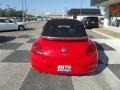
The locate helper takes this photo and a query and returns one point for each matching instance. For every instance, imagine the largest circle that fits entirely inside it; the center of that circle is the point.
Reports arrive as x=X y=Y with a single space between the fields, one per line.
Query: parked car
x=64 y=48
x=115 y=23
x=10 y=24
x=39 y=19
x=90 y=22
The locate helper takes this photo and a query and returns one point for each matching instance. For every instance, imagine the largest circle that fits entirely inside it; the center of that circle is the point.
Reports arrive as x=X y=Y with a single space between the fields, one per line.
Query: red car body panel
x=75 y=55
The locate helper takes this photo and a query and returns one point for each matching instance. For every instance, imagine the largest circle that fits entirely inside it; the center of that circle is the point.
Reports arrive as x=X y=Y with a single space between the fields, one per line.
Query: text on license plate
x=64 y=68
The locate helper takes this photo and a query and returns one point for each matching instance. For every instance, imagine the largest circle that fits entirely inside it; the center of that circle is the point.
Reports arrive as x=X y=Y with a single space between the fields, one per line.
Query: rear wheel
x=21 y=28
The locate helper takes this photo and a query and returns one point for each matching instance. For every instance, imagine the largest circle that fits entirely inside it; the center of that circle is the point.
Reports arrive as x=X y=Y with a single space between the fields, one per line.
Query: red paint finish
x=80 y=54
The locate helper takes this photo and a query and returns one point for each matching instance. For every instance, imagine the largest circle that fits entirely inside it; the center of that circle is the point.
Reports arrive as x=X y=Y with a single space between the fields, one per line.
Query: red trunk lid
x=71 y=49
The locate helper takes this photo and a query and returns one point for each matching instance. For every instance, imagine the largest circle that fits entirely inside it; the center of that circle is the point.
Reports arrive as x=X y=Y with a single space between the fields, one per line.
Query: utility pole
x=22 y=10
x=26 y=6
x=8 y=12
x=63 y=14
x=0 y=11
x=80 y=9
x=15 y=12
x=26 y=9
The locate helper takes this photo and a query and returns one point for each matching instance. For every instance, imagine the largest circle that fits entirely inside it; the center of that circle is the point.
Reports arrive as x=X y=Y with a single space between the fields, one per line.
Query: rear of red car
x=63 y=48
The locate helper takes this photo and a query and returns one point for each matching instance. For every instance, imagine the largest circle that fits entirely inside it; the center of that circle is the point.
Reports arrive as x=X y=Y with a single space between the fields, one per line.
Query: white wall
x=78 y=17
x=70 y=17
x=81 y=17
x=106 y=21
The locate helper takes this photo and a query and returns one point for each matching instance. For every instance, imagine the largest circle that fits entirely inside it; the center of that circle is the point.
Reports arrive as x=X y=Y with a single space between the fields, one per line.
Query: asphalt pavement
x=16 y=72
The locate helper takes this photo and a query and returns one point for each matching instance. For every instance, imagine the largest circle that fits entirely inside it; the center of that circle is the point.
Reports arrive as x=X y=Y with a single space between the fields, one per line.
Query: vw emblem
x=64 y=50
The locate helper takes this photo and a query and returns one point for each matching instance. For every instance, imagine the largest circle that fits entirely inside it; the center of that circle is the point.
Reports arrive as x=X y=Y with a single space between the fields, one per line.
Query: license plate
x=64 y=68
x=93 y=22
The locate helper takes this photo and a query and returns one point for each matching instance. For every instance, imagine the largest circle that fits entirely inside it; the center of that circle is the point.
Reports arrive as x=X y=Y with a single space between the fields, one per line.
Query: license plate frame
x=64 y=68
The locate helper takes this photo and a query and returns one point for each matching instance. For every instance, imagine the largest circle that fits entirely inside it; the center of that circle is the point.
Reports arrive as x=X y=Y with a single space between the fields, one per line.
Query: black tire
x=21 y=28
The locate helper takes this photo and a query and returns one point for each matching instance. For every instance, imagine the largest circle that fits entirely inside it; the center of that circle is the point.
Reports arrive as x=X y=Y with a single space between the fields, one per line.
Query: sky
x=43 y=6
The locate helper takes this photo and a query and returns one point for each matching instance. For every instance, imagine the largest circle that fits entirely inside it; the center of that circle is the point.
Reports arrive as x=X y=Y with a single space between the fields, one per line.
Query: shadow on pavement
x=4 y=39
x=2 y=31
x=102 y=61
x=30 y=29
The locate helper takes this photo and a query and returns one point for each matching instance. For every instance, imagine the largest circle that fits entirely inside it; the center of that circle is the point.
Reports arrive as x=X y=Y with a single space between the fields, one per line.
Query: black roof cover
x=64 y=28
x=84 y=12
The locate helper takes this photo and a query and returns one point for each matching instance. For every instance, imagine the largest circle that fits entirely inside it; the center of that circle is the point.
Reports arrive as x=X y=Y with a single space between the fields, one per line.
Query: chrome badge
x=64 y=50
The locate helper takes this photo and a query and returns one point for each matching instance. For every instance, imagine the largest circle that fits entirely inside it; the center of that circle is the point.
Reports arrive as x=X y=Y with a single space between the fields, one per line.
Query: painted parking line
x=12 y=75
x=102 y=81
x=42 y=81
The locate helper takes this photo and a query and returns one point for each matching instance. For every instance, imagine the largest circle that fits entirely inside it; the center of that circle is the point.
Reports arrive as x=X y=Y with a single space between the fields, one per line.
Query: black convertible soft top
x=64 y=28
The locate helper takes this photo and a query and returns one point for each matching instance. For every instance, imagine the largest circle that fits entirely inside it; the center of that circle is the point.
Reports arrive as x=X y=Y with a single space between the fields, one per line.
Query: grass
x=108 y=32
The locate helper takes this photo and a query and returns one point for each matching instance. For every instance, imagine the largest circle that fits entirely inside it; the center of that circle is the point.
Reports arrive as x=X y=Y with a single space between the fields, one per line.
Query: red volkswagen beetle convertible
x=64 y=48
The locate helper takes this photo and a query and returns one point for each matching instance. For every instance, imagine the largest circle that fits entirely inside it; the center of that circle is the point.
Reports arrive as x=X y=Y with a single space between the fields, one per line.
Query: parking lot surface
x=16 y=72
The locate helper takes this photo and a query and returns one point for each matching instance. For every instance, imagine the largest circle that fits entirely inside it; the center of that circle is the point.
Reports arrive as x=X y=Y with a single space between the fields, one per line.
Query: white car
x=7 y=24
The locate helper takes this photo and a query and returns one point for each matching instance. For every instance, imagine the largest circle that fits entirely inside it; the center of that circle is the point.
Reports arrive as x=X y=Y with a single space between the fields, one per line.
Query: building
x=111 y=9
x=56 y=16
x=80 y=13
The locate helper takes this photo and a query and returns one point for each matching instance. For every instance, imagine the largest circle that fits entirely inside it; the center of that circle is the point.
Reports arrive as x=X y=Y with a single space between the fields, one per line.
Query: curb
x=108 y=36
x=29 y=22
x=112 y=29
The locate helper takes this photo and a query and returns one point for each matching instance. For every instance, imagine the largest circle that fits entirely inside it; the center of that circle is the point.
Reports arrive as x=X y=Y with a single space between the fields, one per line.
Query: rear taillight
x=36 y=48
x=91 y=49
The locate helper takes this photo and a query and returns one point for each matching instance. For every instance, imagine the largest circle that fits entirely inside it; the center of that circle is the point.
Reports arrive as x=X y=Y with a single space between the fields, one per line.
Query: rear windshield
x=93 y=18
x=64 y=28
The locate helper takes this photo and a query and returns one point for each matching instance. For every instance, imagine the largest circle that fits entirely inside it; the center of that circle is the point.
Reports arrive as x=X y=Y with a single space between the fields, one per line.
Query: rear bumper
x=92 y=25
x=87 y=65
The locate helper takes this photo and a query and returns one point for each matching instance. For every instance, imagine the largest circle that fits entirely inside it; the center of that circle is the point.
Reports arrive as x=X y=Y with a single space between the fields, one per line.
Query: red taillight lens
x=36 y=48
x=91 y=49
